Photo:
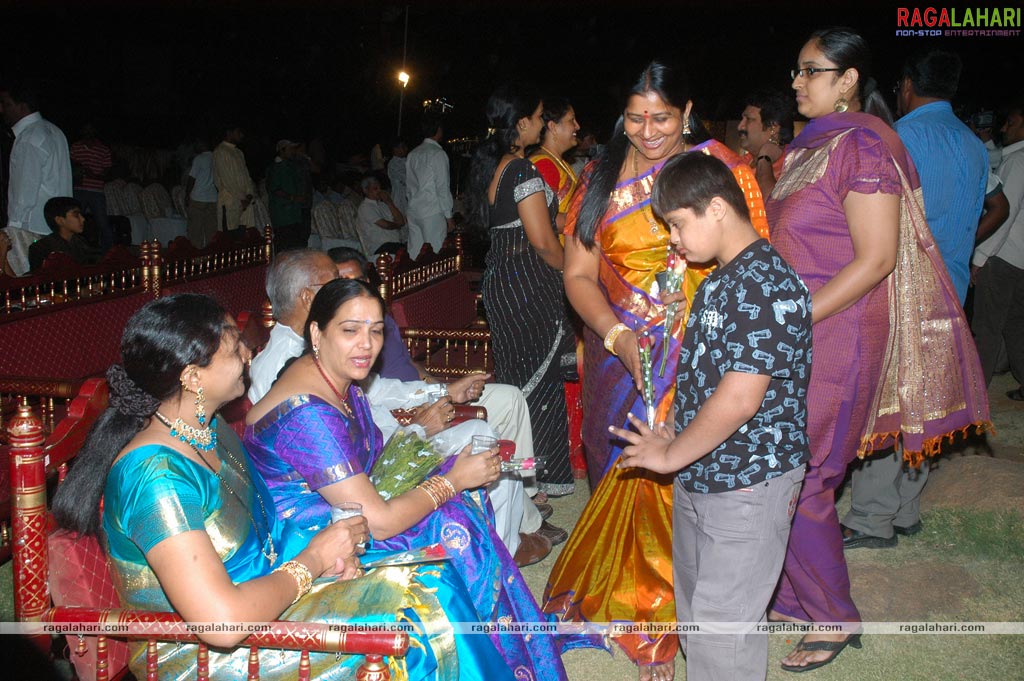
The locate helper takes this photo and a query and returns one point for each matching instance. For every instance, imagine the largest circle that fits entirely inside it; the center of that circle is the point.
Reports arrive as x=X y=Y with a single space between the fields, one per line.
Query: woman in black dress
x=522 y=286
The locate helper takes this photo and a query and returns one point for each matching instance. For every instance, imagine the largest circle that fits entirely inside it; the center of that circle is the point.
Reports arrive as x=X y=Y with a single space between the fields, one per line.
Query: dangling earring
x=774 y=139
x=203 y=438
x=316 y=352
x=686 y=126
x=841 y=105
x=200 y=404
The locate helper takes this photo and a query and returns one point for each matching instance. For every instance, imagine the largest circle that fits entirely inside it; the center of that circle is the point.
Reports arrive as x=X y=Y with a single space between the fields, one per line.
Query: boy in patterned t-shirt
x=740 y=442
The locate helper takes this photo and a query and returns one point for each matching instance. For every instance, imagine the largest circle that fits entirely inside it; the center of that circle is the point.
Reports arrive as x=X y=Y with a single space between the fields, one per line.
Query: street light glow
x=403 y=78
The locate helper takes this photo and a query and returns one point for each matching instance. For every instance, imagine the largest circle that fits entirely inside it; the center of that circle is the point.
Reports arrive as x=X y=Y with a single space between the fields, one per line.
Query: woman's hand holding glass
x=475 y=470
x=334 y=551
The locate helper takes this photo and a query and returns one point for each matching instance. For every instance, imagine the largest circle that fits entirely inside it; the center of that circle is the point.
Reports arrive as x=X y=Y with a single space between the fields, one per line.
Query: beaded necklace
x=343 y=400
x=271 y=556
x=200 y=438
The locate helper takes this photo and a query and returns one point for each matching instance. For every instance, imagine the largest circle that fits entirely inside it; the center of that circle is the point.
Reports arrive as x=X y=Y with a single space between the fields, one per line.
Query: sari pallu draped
x=567 y=180
x=305 y=444
x=153 y=493
x=898 y=364
x=617 y=564
x=931 y=385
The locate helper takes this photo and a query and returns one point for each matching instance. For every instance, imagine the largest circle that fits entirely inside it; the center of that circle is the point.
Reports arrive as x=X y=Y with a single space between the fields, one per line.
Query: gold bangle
x=439 y=488
x=426 y=490
x=612 y=336
x=448 y=485
x=302 y=576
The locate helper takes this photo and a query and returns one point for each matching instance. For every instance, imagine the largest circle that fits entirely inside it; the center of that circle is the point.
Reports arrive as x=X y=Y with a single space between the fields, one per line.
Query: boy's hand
x=647 y=448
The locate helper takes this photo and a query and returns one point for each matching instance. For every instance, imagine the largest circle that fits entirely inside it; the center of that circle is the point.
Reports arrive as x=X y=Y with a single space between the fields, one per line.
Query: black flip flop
x=834 y=647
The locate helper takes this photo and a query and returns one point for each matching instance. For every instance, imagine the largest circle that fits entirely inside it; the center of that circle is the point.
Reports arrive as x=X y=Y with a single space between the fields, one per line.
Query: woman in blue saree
x=190 y=526
x=313 y=439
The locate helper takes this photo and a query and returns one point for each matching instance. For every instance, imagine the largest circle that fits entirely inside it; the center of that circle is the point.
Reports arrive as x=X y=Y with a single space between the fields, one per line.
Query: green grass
x=975 y=535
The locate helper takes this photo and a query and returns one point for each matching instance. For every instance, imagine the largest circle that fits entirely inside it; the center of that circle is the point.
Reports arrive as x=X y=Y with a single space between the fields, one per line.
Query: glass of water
x=483 y=443
x=347 y=509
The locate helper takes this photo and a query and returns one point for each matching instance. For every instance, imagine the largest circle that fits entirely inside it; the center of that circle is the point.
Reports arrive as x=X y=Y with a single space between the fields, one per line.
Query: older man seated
x=292 y=282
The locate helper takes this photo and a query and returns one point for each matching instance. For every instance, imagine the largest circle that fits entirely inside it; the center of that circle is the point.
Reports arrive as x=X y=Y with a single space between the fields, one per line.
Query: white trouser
x=427 y=229
x=508 y=414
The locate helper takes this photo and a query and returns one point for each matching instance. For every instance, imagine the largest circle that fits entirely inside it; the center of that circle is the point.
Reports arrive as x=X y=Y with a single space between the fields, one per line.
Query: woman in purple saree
x=894 y=362
x=313 y=438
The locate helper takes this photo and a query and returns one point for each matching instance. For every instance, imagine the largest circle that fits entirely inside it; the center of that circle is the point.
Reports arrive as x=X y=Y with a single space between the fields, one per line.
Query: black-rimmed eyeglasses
x=810 y=71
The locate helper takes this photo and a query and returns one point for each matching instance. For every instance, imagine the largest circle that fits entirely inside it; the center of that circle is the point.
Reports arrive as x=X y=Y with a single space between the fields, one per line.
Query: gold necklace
x=645 y=208
x=560 y=162
x=272 y=555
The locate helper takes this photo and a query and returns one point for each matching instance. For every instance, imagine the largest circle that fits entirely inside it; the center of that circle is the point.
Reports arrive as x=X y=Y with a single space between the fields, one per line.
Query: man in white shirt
x=380 y=221
x=202 y=198
x=292 y=282
x=430 y=197
x=40 y=169
x=999 y=263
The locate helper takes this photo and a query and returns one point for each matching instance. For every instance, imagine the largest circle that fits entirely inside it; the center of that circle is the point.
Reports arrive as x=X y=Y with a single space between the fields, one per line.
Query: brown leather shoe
x=533 y=548
x=545 y=510
x=555 y=535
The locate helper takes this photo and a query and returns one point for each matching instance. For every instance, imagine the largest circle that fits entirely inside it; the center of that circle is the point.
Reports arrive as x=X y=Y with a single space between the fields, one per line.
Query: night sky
x=155 y=74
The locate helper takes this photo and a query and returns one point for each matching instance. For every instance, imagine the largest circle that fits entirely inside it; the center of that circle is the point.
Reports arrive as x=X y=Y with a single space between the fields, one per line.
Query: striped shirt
x=95 y=158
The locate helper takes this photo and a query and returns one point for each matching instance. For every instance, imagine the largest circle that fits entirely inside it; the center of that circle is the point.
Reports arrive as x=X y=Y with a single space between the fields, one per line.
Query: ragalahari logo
x=956 y=21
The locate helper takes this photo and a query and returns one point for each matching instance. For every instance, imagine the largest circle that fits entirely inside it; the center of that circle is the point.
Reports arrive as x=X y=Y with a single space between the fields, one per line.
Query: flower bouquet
x=669 y=281
x=406 y=461
x=646 y=344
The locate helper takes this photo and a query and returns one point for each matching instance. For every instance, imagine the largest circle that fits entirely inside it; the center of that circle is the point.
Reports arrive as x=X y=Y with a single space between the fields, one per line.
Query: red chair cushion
x=80 y=576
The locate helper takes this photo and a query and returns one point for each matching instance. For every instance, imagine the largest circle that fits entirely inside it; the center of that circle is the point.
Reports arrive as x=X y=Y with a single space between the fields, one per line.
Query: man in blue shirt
x=953 y=166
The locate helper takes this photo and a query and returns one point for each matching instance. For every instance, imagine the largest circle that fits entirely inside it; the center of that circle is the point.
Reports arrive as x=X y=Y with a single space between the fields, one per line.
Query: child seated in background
x=64 y=217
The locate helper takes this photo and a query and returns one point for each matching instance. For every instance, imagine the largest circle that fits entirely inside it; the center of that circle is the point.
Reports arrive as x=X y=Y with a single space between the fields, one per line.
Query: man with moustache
x=765 y=128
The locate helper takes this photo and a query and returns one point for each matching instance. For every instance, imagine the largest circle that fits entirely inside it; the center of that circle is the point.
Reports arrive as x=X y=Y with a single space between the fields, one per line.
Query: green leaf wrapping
x=406 y=461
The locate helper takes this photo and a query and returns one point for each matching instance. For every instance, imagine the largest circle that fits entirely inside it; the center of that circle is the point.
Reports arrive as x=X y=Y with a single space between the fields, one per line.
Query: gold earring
x=200 y=405
x=686 y=127
x=316 y=352
x=841 y=105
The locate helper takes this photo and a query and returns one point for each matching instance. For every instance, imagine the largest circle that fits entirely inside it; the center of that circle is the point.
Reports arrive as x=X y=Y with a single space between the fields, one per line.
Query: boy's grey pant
x=727 y=555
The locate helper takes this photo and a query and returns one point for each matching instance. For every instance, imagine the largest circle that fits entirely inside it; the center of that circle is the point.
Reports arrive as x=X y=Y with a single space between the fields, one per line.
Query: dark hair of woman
x=329 y=300
x=554 y=110
x=673 y=87
x=159 y=341
x=845 y=48
x=505 y=107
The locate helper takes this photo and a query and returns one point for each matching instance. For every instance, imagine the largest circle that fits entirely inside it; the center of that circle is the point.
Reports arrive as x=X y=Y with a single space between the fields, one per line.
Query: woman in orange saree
x=617 y=564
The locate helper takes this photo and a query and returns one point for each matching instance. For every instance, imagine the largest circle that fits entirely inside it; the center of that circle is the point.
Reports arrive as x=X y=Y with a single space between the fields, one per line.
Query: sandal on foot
x=834 y=647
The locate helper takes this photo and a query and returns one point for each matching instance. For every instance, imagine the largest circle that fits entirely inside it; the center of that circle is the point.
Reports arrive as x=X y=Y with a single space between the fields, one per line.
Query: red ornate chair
x=34 y=460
